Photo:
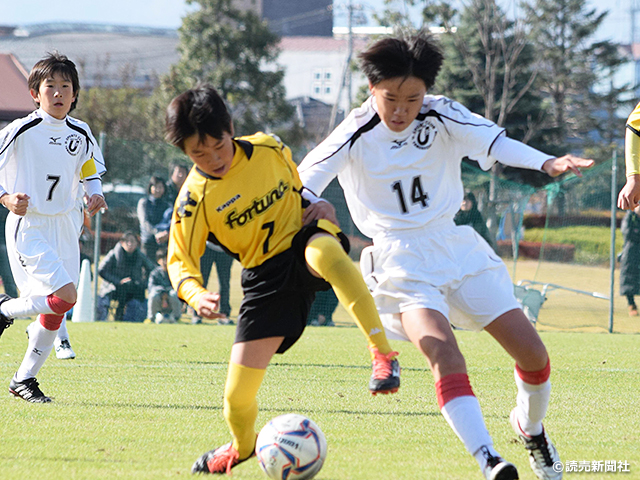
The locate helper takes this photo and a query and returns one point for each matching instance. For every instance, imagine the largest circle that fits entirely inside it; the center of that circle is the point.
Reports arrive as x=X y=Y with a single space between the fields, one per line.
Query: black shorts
x=278 y=294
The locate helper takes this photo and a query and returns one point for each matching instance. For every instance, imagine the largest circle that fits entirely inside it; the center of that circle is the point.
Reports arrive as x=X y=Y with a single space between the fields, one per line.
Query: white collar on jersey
x=49 y=119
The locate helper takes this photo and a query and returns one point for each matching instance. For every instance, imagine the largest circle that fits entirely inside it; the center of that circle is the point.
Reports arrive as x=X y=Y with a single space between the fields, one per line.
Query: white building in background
x=314 y=67
x=107 y=55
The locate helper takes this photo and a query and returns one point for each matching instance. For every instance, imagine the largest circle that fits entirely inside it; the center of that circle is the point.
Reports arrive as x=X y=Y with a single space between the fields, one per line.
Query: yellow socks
x=240 y=406
x=326 y=256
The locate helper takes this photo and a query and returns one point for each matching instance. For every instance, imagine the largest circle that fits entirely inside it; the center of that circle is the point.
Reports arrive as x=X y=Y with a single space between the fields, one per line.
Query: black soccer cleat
x=5 y=322
x=28 y=390
x=497 y=468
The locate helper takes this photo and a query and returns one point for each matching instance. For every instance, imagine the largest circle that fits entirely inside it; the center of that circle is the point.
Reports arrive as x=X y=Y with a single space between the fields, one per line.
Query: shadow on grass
x=317 y=365
x=309 y=411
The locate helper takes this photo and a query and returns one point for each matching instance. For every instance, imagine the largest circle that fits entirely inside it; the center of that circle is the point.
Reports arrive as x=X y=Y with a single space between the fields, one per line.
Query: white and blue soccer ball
x=291 y=447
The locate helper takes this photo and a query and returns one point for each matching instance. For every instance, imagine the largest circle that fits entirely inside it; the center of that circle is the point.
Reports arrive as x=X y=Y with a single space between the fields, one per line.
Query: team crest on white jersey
x=424 y=135
x=73 y=143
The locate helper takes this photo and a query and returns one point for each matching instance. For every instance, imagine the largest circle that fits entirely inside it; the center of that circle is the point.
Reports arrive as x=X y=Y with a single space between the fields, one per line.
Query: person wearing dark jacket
x=172 y=187
x=150 y=211
x=164 y=305
x=124 y=270
x=470 y=215
x=630 y=259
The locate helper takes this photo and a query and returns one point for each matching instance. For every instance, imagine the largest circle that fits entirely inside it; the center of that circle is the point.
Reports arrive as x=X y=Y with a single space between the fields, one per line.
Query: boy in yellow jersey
x=629 y=197
x=245 y=195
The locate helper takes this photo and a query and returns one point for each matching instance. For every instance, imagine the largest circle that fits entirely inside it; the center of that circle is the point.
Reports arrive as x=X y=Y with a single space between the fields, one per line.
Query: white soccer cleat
x=543 y=456
x=63 y=349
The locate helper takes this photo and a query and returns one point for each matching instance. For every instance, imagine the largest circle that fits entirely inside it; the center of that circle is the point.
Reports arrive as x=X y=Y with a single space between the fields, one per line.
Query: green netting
x=555 y=240
x=563 y=237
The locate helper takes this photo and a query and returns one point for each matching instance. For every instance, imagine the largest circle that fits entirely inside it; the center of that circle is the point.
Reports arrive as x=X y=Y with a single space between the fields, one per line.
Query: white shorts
x=44 y=251
x=450 y=269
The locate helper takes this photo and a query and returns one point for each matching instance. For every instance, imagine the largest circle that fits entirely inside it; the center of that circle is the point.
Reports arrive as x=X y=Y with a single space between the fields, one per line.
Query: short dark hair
x=161 y=253
x=417 y=55
x=55 y=63
x=200 y=111
x=155 y=180
x=179 y=165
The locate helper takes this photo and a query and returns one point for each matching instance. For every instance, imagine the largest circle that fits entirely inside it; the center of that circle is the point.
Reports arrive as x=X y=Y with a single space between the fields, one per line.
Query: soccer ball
x=291 y=447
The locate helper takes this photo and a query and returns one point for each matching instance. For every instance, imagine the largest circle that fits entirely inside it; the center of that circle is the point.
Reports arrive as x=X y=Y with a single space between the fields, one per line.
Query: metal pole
x=346 y=75
x=612 y=259
x=350 y=49
x=96 y=245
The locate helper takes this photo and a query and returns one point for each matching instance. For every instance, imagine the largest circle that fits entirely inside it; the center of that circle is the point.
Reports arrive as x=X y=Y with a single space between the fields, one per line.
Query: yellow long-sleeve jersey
x=632 y=143
x=253 y=212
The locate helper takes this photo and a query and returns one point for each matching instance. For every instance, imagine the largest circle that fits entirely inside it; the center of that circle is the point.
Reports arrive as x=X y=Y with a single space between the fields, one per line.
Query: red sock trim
x=50 y=321
x=58 y=305
x=535 y=378
x=452 y=386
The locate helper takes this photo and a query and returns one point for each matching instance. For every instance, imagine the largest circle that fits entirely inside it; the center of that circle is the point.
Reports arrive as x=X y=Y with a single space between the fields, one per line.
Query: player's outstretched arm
x=629 y=196
x=559 y=165
x=16 y=202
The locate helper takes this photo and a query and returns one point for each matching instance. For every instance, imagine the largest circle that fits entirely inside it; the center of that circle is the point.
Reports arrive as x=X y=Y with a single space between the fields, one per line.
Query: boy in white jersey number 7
x=398 y=158
x=44 y=158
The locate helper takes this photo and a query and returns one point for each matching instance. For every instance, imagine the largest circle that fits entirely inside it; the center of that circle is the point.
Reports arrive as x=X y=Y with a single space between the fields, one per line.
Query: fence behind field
x=556 y=239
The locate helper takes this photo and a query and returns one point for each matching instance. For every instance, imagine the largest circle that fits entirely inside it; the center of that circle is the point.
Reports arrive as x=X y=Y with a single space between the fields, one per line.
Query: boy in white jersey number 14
x=398 y=158
x=44 y=158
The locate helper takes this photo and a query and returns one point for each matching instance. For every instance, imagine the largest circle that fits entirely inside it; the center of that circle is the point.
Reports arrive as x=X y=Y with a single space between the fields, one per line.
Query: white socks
x=532 y=402
x=465 y=418
x=40 y=345
x=26 y=306
x=62 y=332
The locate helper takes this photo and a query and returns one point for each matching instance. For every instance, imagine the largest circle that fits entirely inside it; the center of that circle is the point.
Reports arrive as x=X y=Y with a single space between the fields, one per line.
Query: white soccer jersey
x=397 y=181
x=47 y=158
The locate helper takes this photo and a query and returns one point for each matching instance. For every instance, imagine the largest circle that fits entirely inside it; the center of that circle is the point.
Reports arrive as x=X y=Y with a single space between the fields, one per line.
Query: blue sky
x=168 y=13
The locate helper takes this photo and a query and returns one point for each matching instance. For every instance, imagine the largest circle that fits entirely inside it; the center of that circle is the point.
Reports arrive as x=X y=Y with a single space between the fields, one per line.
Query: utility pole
x=345 y=81
x=350 y=53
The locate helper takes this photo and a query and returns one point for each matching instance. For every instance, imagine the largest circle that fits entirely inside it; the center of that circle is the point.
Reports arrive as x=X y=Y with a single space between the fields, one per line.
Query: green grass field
x=143 y=401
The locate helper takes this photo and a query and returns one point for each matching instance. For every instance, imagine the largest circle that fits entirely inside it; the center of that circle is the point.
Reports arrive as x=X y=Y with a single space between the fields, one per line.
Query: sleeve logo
x=185 y=201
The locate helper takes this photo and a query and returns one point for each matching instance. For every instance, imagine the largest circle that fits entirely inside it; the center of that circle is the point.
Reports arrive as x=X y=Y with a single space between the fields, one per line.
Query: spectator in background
x=124 y=269
x=470 y=215
x=630 y=259
x=150 y=211
x=215 y=254
x=178 y=175
x=164 y=305
x=212 y=254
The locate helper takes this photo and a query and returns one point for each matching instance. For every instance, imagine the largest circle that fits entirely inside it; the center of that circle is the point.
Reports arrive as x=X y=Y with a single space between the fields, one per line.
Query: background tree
x=229 y=48
x=561 y=32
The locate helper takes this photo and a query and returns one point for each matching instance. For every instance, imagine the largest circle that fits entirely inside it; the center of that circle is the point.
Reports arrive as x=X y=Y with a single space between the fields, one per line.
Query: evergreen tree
x=561 y=32
x=229 y=47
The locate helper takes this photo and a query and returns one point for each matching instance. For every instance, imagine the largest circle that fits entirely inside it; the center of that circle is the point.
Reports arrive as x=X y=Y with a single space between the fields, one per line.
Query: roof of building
x=104 y=54
x=15 y=100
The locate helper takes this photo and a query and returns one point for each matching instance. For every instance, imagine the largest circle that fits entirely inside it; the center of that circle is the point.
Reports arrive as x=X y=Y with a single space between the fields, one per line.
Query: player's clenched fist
x=96 y=203
x=16 y=203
